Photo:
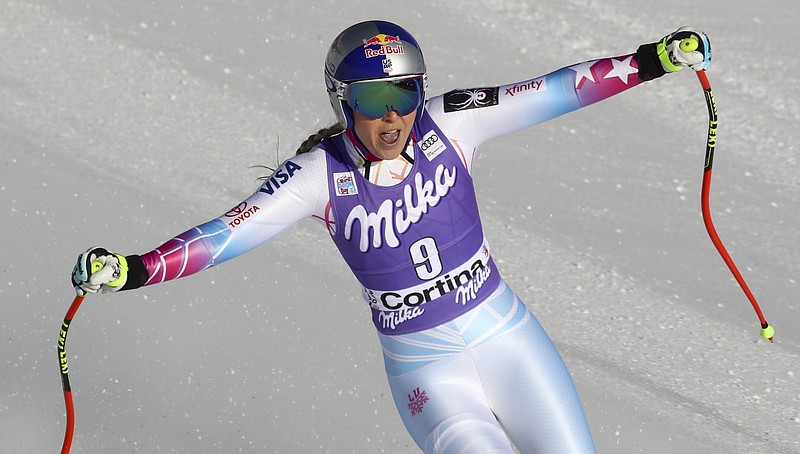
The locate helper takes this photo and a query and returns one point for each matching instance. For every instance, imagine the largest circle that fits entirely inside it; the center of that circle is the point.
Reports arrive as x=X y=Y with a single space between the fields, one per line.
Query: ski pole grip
x=689 y=44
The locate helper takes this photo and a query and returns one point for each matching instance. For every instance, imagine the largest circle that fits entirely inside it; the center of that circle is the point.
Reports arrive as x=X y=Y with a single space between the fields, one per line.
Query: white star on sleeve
x=583 y=71
x=621 y=69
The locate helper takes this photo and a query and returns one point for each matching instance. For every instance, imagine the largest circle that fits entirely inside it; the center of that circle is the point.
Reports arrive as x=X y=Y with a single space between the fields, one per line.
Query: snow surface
x=123 y=123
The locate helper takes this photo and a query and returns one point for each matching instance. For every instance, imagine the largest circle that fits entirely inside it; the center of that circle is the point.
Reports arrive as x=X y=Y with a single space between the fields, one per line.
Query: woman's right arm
x=296 y=190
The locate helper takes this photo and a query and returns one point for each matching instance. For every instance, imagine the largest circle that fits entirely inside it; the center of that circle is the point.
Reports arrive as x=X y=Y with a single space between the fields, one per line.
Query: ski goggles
x=375 y=98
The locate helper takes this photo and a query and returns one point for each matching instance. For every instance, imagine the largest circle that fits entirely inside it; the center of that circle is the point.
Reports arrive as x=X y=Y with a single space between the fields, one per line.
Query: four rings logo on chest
x=432 y=145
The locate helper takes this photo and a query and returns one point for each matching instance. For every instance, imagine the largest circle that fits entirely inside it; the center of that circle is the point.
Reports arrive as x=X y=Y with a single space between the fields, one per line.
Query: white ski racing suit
x=470 y=368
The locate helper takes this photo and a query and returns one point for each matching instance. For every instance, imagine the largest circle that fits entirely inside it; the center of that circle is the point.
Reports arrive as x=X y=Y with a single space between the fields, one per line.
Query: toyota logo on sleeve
x=237 y=210
x=240 y=213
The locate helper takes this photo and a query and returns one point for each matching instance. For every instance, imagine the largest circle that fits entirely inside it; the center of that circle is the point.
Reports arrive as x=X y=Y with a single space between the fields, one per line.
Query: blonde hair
x=318 y=137
x=308 y=144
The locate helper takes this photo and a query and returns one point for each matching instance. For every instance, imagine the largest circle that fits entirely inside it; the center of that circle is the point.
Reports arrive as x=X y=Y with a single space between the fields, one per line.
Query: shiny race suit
x=470 y=368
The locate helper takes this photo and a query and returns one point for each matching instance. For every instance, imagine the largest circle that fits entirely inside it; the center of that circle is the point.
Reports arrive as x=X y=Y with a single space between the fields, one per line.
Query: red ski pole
x=767 y=331
x=69 y=430
x=62 y=360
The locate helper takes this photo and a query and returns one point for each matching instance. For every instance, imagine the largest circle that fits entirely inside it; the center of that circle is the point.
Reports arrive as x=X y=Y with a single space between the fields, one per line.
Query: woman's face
x=384 y=137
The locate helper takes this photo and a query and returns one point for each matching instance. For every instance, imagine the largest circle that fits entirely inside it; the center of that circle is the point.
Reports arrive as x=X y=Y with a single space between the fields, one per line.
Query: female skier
x=470 y=368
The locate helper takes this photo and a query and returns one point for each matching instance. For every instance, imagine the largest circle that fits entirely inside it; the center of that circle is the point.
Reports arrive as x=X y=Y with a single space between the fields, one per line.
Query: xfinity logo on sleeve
x=532 y=86
x=432 y=145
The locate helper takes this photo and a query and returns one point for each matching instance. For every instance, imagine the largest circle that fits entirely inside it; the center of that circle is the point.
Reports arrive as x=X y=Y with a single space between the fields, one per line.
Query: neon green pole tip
x=689 y=45
x=768 y=332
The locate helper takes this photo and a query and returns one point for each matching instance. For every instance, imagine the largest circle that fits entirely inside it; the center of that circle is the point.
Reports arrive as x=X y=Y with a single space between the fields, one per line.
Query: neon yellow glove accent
x=663 y=56
x=689 y=45
x=123 y=272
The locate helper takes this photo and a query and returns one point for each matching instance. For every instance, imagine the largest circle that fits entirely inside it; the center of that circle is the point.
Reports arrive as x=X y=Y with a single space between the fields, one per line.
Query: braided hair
x=309 y=143
x=318 y=137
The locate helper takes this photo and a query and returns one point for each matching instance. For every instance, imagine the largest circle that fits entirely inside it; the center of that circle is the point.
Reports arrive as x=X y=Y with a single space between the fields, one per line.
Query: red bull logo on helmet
x=387 y=45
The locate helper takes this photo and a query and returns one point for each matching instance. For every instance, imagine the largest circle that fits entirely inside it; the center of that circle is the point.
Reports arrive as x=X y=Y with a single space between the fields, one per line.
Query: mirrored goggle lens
x=374 y=99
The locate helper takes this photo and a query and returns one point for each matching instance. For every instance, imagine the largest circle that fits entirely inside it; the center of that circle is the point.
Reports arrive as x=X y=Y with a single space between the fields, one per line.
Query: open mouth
x=390 y=137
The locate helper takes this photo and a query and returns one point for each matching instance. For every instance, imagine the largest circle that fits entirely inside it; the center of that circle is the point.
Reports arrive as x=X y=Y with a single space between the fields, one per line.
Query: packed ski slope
x=123 y=123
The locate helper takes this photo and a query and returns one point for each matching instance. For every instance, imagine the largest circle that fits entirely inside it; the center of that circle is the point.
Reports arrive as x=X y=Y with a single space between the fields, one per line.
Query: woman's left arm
x=478 y=114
